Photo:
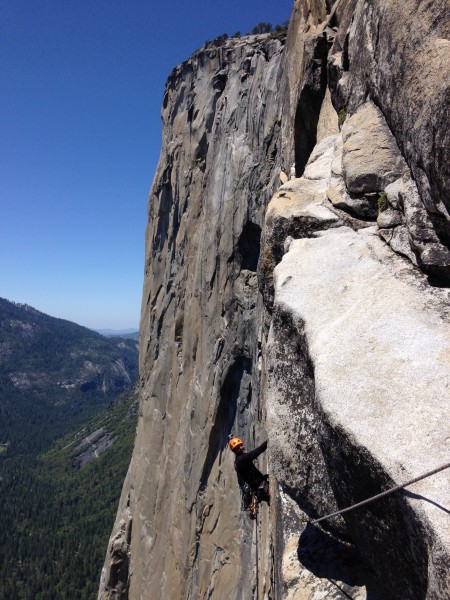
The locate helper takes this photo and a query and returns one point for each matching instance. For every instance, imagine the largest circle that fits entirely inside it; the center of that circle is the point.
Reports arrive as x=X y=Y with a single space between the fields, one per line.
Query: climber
x=248 y=474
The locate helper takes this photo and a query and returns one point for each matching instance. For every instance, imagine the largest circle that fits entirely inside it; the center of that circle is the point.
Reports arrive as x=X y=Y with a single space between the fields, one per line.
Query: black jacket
x=245 y=468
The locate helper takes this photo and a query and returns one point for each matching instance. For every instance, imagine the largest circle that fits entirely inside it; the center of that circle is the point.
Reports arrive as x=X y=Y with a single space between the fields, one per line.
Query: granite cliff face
x=200 y=337
x=313 y=308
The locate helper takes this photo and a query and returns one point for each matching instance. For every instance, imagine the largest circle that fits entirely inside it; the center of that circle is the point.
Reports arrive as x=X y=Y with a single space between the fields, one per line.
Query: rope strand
x=383 y=494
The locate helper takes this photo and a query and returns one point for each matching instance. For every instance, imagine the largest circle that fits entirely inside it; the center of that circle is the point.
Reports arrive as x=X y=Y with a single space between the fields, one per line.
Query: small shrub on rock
x=382 y=202
x=342 y=115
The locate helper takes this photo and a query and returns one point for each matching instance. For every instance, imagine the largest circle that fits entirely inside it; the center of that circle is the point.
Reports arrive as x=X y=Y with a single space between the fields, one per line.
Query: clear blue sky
x=80 y=133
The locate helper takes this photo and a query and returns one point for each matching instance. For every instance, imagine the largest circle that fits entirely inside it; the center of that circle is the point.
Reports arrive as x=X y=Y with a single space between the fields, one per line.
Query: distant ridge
x=118 y=332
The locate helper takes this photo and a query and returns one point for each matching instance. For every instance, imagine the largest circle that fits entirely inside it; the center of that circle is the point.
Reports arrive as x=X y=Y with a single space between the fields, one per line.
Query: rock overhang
x=379 y=340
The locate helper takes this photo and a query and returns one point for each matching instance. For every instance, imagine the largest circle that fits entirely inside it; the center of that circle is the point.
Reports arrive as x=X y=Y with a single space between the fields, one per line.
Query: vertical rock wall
x=341 y=355
x=200 y=338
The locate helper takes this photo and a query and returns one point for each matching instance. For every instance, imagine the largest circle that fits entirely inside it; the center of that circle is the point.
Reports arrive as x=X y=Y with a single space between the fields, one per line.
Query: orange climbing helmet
x=235 y=443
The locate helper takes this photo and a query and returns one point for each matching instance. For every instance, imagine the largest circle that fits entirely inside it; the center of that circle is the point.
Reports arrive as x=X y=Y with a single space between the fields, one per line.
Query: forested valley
x=68 y=410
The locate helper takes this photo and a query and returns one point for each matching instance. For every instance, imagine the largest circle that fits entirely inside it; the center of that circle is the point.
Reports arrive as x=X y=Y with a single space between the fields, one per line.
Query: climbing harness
x=253 y=506
x=383 y=494
x=249 y=501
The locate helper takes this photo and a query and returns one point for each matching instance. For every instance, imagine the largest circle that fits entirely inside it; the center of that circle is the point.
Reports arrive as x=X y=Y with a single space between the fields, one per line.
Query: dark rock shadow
x=325 y=556
x=249 y=244
x=329 y=558
x=308 y=108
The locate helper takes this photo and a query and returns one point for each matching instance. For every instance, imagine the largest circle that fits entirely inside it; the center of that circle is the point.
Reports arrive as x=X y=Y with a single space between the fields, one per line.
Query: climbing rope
x=383 y=494
x=257 y=557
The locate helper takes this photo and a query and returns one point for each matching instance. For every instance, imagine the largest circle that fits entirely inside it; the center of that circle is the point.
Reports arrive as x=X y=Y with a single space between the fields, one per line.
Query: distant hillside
x=54 y=373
